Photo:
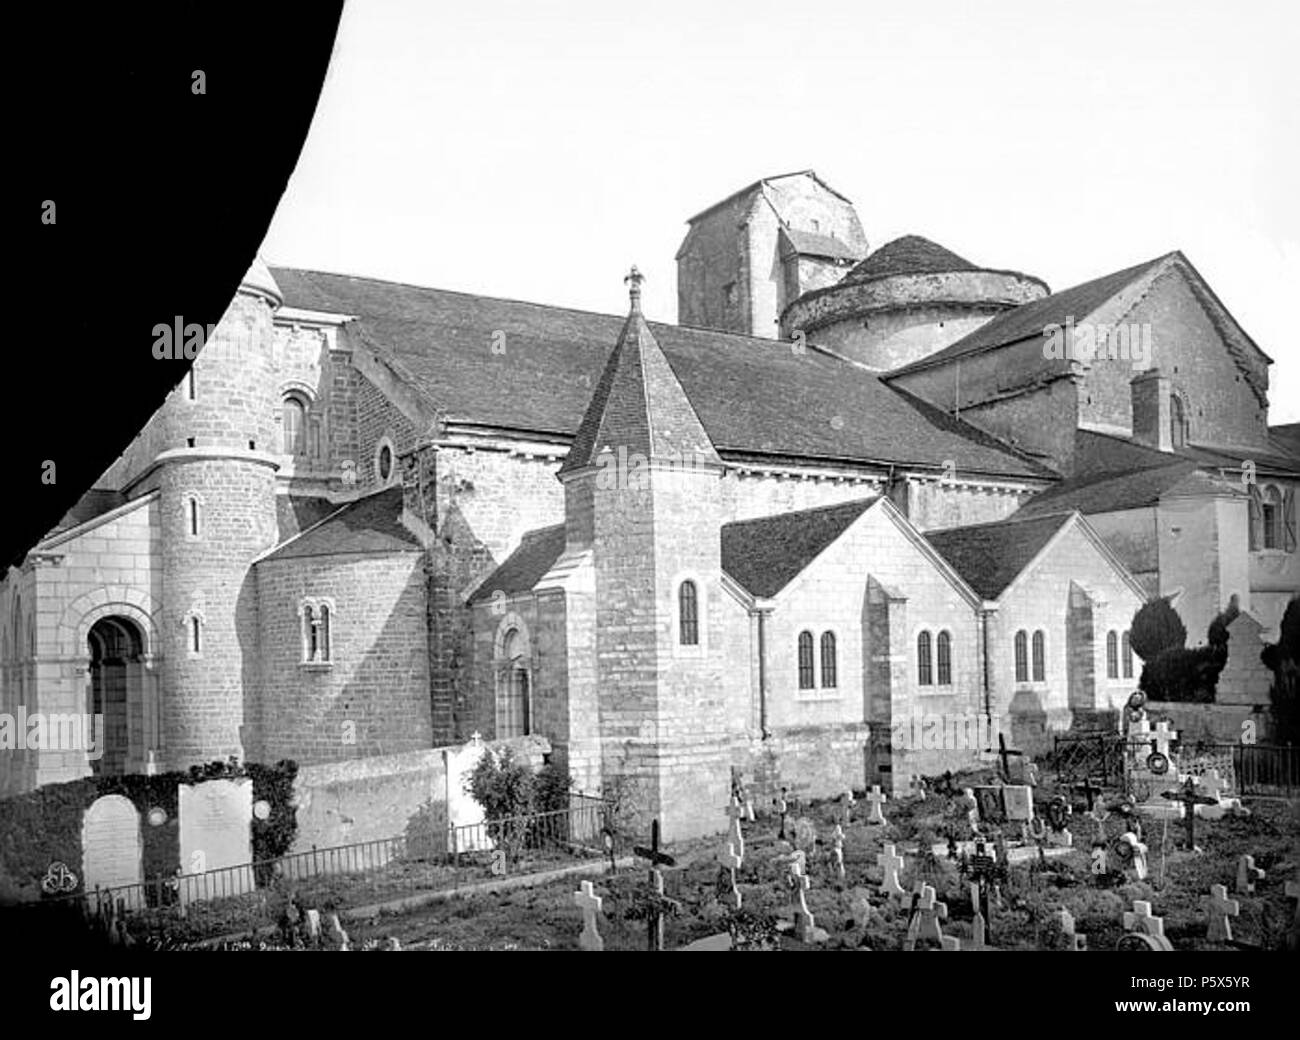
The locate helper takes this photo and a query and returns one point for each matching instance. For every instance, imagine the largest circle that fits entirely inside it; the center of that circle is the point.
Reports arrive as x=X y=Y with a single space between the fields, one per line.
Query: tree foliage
x=1156 y=627
x=1283 y=660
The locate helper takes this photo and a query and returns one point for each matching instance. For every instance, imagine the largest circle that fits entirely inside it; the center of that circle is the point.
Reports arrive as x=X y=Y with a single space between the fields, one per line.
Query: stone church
x=855 y=506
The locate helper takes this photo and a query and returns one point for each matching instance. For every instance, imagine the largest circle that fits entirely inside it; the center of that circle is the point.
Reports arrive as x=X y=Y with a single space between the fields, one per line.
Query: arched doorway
x=116 y=692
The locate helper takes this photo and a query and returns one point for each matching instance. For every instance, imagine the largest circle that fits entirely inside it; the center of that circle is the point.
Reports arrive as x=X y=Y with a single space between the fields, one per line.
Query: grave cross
x=731 y=862
x=891 y=863
x=1090 y=791
x=1247 y=875
x=736 y=812
x=846 y=807
x=876 y=798
x=1141 y=920
x=782 y=808
x=927 y=912
x=589 y=903
x=1163 y=737
x=656 y=903
x=917 y=786
x=1219 y=908
x=1076 y=941
x=1005 y=753
x=1188 y=796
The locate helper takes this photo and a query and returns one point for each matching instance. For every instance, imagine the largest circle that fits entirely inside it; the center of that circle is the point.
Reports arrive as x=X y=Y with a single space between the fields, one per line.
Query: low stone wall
x=369 y=799
x=816 y=762
x=1218 y=723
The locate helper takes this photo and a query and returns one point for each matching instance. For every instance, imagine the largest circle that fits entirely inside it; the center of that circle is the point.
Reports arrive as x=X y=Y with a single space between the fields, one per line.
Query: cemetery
x=1162 y=852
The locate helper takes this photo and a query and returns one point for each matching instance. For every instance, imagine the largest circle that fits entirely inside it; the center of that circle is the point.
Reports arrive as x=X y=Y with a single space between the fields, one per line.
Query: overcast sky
x=535 y=151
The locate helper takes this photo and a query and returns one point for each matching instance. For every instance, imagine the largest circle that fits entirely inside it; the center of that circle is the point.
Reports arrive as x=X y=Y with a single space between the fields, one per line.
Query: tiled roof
x=753 y=396
x=1097 y=453
x=526 y=566
x=368 y=525
x=639 y=405
x=1286 y=439
x=94 y=503
x=910 y=254
x=1030 y=319
x=1232 y=458
x=812 y=243
x=766 y=554
x=1112 y=492
x=990 y=556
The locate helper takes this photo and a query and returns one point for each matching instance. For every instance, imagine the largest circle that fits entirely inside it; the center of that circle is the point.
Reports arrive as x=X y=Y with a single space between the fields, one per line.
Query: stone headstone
x=1074 y=941
x=1150 y=929
x=588 y=902
x=1219 y=908
x=1247 y=875
x=876 y=816
x=1018 y=801
x=111 y=848
x=805 y=834
x=891 y=863
x=215 y=834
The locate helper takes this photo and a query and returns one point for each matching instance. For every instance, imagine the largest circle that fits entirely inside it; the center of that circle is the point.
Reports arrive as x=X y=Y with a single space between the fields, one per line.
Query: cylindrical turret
x=217 y=512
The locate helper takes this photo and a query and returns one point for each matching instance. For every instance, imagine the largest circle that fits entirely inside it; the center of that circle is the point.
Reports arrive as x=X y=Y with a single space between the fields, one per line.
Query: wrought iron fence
x=1096 y=756
x=419 y=860
x=1261 y=769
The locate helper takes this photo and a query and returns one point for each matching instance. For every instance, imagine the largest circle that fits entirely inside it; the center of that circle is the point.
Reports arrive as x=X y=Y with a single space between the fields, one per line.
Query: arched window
x=1177 y=422
x=323 y=641
x=943 y=656
x=1040 y=666
x=316 y=634
x=1022 y=656
x=1270 y=517
x=806 y=661
x=828 y=660
x=514 y=687
x=924 y=662
x=1112 y=655
x=688 y=614
x=1126 y=653
x=295 y=425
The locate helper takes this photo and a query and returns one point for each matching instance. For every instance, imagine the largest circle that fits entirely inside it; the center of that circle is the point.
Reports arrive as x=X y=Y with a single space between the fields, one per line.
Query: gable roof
x=1114 y=492
x=989 y=557
x=93 y=504
x=368 y=525
x=766 y=180
x=910 y=254
x=639 y=405
x=1030 y=319
x=753 y=396
x=812 y=243
x=766 y=554
x=526 y=566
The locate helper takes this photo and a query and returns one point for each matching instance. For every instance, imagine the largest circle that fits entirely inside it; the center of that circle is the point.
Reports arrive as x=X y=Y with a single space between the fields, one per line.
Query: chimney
x=1149 y=391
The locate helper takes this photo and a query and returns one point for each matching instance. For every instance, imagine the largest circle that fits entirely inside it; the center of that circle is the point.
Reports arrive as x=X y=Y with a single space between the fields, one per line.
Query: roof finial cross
x=634 y=278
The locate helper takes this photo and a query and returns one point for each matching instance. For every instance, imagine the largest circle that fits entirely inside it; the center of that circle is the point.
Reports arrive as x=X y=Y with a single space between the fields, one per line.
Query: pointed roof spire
x=638 y=403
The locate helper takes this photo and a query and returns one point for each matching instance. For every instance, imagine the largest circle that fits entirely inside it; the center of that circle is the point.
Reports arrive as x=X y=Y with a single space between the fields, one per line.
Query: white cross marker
x=1140 y=919
x=1220 y=908
x=891 y=863
x=876 y=798
x=589 y=903
x=1164 y=736
x=736 y=811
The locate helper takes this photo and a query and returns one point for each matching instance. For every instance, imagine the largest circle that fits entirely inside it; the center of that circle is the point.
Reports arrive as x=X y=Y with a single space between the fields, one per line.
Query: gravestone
x=1247 y=875
x=837 y=851
x=1219 y=908
x=730 y=862
x=215 y=834
x=875 y=816
x=736 y=812
x=891 y=863
x=589 y=903
x=111 y=847
x=1073 y=940
x=1145 y=931
x=805 y=834
x=465 y=817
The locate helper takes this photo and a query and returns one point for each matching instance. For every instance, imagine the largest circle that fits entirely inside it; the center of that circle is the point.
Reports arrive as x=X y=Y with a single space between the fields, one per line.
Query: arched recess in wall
x=512 y=666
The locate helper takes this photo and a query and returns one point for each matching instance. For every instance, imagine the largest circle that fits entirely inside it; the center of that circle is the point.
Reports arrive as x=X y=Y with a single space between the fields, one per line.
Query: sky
x=535 y=151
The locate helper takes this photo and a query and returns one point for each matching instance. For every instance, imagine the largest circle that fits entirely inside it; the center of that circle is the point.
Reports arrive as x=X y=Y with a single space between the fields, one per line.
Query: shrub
x=1156 y=627
x=1283 y=660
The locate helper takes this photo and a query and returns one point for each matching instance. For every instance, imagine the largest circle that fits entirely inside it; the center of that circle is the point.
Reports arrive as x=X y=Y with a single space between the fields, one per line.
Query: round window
x=385 y=462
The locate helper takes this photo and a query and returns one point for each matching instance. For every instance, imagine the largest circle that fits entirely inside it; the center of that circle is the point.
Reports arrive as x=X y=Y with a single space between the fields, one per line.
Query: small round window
x=385 y=462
